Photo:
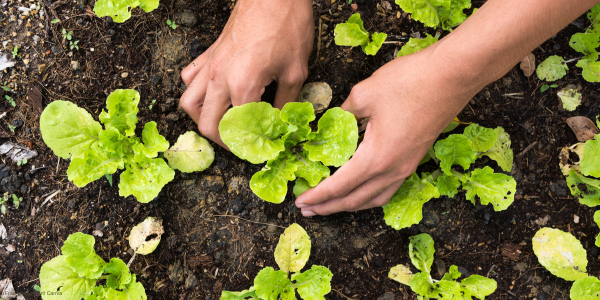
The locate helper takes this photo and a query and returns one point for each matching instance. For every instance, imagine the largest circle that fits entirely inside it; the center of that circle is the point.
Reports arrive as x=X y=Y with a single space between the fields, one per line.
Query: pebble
x=75 y=65
x=124 y=75
x=26 y=61
x=42 y=68
x=576 y=219
x=317 y=93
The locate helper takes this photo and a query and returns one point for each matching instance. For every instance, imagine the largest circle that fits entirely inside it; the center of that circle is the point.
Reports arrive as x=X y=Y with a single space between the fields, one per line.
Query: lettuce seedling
x=434 y=13
x=353 y=33
x=421 y=252
x=405 y=207
x=291 y=255
x=415 y=45
x=77 y=271
x=257 y=132
x=72 y=133
x=120 y=10
x=582 y=175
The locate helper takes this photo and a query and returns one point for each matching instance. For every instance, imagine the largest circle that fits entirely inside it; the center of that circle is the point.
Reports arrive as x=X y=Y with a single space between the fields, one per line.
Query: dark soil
x=218 y=235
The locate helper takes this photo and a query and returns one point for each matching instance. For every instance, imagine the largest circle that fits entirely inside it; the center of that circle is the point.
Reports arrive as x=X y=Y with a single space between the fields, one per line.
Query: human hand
x=264 y=40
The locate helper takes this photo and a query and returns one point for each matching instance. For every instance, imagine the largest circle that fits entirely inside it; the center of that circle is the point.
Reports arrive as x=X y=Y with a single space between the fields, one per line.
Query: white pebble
x=576 y=219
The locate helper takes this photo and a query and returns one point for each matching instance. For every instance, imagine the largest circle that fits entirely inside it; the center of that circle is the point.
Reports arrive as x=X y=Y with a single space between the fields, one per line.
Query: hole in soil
x=151 y=237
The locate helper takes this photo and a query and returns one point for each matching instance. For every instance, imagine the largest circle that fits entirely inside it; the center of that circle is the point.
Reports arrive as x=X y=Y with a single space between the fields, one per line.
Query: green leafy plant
x=6 y=88
x=55 y=21
x=436 y=13
x=257 y=132
x=152 y=104
x=74 y=45
x=120 y=10
x=353 y=33
x=16 y=200
x=405 y=207
x=421 y=250
x=15 y=52
x=10 y=100
x=415 y=45
x=10 y=127
x=546 y=87
x=72 y=133
x=563 y=255
x=291 y=255
x=67 y=35
x=4 y=200
x=22 y=162
x=172 y=24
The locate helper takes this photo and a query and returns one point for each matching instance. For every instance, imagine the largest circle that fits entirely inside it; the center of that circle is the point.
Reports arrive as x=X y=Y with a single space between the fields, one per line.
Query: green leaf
x=455 y=149
x=122 y=112
x=148 y=5
x=584 y=188
x=544 y=88
x=191 y=153
x=115 y=144
x=95 y=163
x=482 y=139
x=78 y=251
x=313 y=284
x=452 y=274
x=552 y=69
x=352 y=33
x=119 y=10
x=336 y=139
x=312 y=171
x=293 y=249
x=405 y=207
x=68 y=129
x=252 y=131
x=587 y=288
x=591 y=70
x=597 y=220
x=479 y=286
x=449 y=289
x=501 y=151
x=297 y=113
x=420 y=251
x=401 y=273
x=371 y=48
x=561 y=253
x=424 y=11
x=145 y=237
x=225 y=295
x=144 y=179
x=570 y=98
x=454 y=16
x=415 y=45
x=133 y=290
x=57 y=276
x=270 y=183
x=119 y=274
x=592 y=15
x=422 y=285
x=586 y=43
x=496 y=188
x=590 y=161
x=301 y=186
x=270 y=283
x=153 y=142
x=447 y=185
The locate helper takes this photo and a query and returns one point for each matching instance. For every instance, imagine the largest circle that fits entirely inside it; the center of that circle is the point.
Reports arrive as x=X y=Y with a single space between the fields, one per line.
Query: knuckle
x=335 y=191
x=187 y=74
x=185 y=102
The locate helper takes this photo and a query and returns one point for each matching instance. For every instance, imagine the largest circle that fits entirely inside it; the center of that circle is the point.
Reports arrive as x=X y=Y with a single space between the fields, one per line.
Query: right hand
x=263 y=41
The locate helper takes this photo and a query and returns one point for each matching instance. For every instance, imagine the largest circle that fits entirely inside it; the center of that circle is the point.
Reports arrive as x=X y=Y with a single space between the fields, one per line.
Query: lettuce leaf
x=293 y=249
x=225 y=295
x=68 y=129
x=496 y=188
x=270 y=283
x=312 y=171
x=122 y=112
x=352 y=33
x=479 y=286
x=482 y=138
x=560 y=253
x=270 y=184
x=454 y=150
x=119 y=274
x=454 y=16
x=336 y=138
x=586 y=43
x=153 y=142
x=501 y=151
x=297 y=113
x=115 y=144
x=95 y=163
x=423 y=11
x=145 y=179
x=584 y=188
x=401 y=273
x=149 y=5
x=420 y=251
x=597 y=220
x=587 y=288
x=422 y=285
x=190 y=153
x=415 y=45
x=79 y=252
x=405 y=207
x=314 y=283
x=552 y=69
x=300 y=186
x=591 y=70
x=120 y=10
x=590 y=160
x=57 y=276
x=447 y=185
x=372 y=47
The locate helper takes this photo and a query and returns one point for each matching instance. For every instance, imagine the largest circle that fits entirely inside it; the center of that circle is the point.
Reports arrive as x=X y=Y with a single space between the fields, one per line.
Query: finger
x=193 y=98
x=190 y=71
x=383 y=198
x=356 y=103
x=358 y=198
x=215 y=106
x=352 y=174
x=286 y=92
x=245 y=87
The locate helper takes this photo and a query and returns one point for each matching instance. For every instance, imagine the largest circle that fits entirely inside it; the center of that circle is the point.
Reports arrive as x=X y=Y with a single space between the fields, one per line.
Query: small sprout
x=55 y=21
x=73 y=45
x=109 y=178
x=6 y=88
x=15 y=52
x=16 y=200
x=68 y=35
x=172 y=24
x=10 y=100
x=22 y=162
x=545 y=87
x=152 y=104
x=37 y=288
x=12 y=128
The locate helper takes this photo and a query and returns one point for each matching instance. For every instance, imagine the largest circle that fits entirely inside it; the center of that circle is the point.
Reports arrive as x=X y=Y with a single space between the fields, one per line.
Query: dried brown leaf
x=34 y=96
x=583 y=128
x=528 y=64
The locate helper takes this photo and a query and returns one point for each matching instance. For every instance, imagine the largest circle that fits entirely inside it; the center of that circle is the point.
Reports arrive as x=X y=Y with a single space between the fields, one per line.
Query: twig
x=248 y=220
x=49 y=198
x=527 y=149
x=132 y=258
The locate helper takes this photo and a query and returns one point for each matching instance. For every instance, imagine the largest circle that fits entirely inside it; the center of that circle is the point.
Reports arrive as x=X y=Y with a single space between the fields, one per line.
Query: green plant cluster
x=72 y=133
x=257 y=132
x=4 y=200
x=405 y=207
x=421 y=250
x=353 y=33
x=291 y=255
x=120 y=10
x=446 y=14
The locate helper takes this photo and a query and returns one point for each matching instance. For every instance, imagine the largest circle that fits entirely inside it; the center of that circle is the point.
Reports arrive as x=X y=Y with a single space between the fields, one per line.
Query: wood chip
x=528 y=64
x=583 y=128
x=511 y=251
x=34 y=96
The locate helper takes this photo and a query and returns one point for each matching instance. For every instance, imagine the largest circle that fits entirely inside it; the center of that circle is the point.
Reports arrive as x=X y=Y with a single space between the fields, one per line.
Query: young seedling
x=17 y=200
x=6 y=88
x=55 y=21
x=3 y=202
x=447 y=14
x=67 y=35
x=72 y=133
x=120 y=11
x=257 y=132
x=152 y=104
x=73 y=45
x=291 y=255
x=353 y=33
x=10 y=127
x=172 y=24
x=15 y=52
x=22 y=162
x=498 y=189
x=546 y=87
x=10 y=100
x=421 y=250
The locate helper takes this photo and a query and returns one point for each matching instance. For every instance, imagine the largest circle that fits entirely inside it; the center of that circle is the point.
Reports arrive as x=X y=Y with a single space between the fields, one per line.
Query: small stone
x=542 y=296
x=319 y=94
x=155 y=79
x=213 y=183
x=42 y=68
x=14 y=34
x=75 y=65
x=173 y=117
x=464 y=272
x=576 y=219
x=124 y=75
x=279 y=215
x=17 y=123
x=169 y=105
x=36 y=39
x=349 y=60
x=26 y=61
x=387 y=296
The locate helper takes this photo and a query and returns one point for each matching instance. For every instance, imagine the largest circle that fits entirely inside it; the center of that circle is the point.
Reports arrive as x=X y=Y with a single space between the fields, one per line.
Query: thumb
x=357 y=102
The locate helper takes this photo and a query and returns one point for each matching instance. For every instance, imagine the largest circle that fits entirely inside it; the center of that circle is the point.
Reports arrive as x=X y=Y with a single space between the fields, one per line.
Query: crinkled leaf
x=591 y=70
x=145 y=179
x=312 y=171
x=297 y=135
x=423 y=11
x=79 y=252
x=454 y=16
x=293 y=249
x=482 y=138
x=405 y=207
x=336 y=139
x=597 y=220
x=113 y=142
x=586 y=43
x=270 y=183
x=119 y=10
x=552 y=69
x=415 y=45
x=479 y=286
x=270 y=283
x=449 y=289
x=314 y=283
x=133 y=291
x=245 y=294
x=422 y=285
x=452 y=274
x=99 y=293
x=561 y=253
x=420 y=251
x=501 y=151
x=95 y=163
x=139 y=237
x=570 y=98
x=593 y=14
x=352 y=33
x=590 y=160
x=191 y=153
x=301 y=186
x=68 y=129
x=454 y=150
x=496 y=188
x=447 y=185
x=119 y=275
x=288 y=293
x=56 y=275
x=587 y=288
x=372 y=47
x=584 y=188
x=298 y=113
x=252 y=131
x=153 y=141
x=149 y=5
x=401 y=273
x=122 y=112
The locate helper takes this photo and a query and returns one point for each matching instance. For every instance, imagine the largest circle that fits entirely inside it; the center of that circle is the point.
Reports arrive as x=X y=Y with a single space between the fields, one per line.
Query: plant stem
x=572 y=60
x=457 y=174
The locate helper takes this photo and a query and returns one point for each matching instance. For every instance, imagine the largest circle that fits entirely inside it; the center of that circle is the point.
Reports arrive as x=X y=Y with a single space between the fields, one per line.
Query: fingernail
x=308 y=213
x=301 y=205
